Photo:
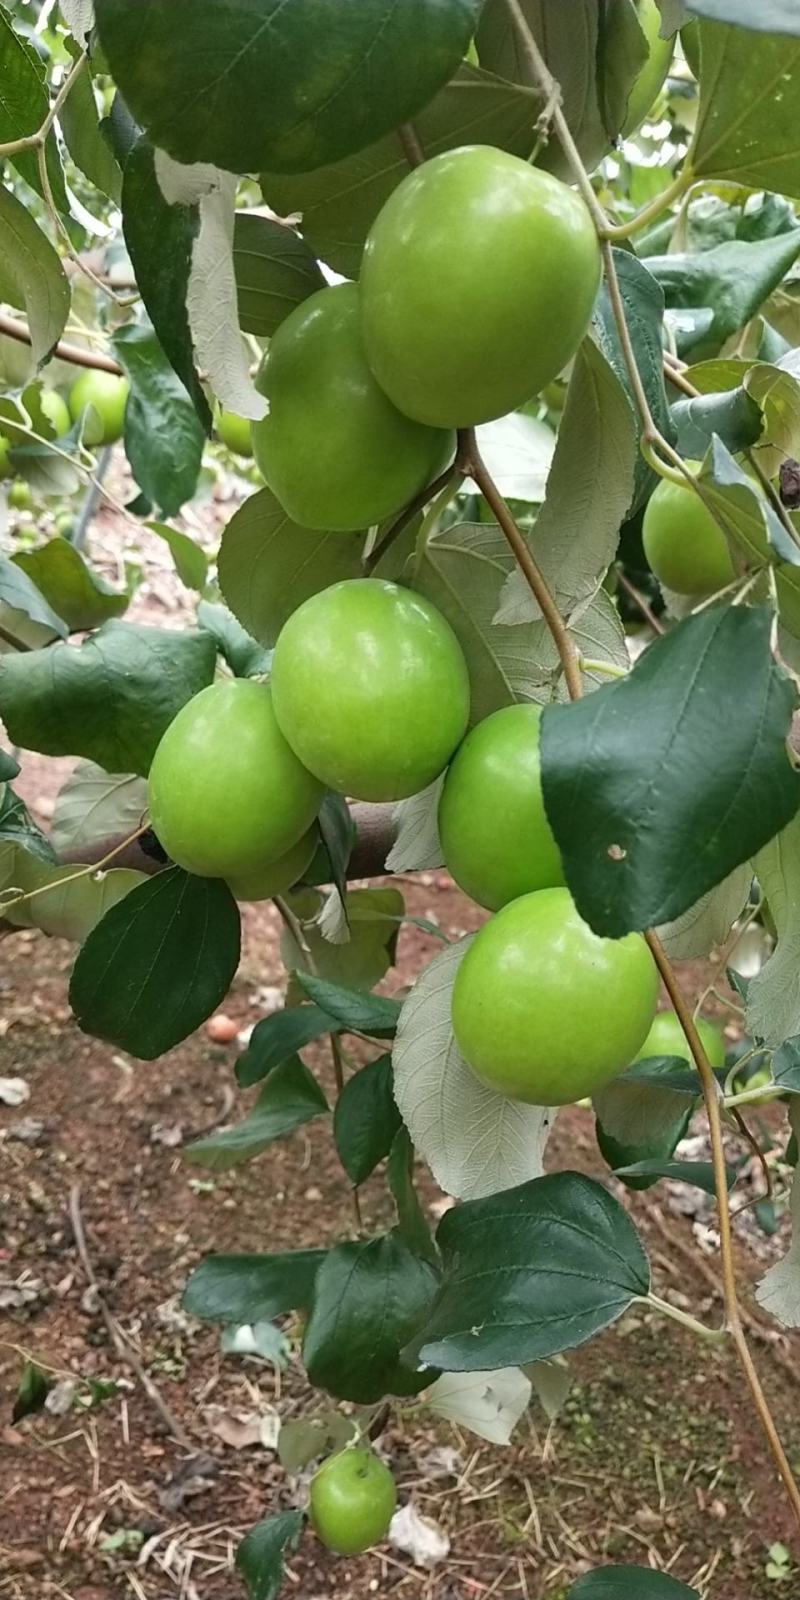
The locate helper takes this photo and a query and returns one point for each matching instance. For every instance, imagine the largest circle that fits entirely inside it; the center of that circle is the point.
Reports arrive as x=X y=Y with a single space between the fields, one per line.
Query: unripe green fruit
x=227 y=796
x=234 y=432
x=651 y=76
x=5 y=447
x=56 y=410
x=370 y=688
x=543 y=1009
x=667 y=1038
x=477 y=285
x=496 y=839
x=107 y=395
x=20 y=496
x=684 y=545
x=277 y=876
x=353 y=1500
x=334 y=450
x=65 y=524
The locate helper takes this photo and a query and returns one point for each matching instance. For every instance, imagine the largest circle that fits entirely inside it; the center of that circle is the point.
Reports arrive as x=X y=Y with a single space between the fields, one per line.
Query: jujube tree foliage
x=514 y=352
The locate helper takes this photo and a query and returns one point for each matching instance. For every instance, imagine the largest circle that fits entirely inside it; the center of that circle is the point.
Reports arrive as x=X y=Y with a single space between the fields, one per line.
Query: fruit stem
x=608 y=669
x=407 y=515
x=410 y=143
x=715 y=1335
x=680 y=185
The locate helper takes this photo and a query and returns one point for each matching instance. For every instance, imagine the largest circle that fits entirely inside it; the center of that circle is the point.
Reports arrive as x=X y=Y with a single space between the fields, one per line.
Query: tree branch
x=73 y=353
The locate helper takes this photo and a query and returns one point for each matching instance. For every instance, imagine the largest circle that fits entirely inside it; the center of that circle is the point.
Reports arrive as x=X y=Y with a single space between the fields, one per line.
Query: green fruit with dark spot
x=353 y=1500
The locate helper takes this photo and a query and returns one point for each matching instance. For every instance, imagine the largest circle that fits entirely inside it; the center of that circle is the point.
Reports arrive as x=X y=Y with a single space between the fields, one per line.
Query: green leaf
x=31 y=275
x=770 y=16
x=698 y=1173
x=290 y=1097
x=158 y=964
x=278 y=1037
x=94 y=805
x=338 y=835
x=302 y=1442
x=18 y=828
x=412 y=1225
x=743 y=510
x=160 y=240
x=369 y=1298
x=248 y=1289
x=630 y=1583
x=643 y=1114
x=34 y=1387
x=288 y=87
x=23 y=107
x=259 y=1556
x=9 y=768
x=688 y=766
x=245 y=657
x=163 y=437
x=734 y=417
x=82 y=598
x=341 y=200
x=360 y=960
x=72 y=906
x=110 y=698
x=732 y=281
x=366 y=1119
x=530 y=1272
x=268 y=565
x=786 y=1066
x=20 y=591
x=191 y=563
x=594 y=464
x=86 y=139
x=746 y=127
x=275 y=271
x=643 y=300
x=773 y=995
x=355 y=1012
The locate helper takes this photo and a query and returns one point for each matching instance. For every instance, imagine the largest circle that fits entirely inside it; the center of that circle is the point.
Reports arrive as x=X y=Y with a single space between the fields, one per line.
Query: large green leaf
x=260 y=1554
x=643 y=300
x=160 y=240
x=266 y=84
x=594 y=67
x=69 y=907
x=657 y=786
x=290 y=1097
x=366 y=1119
x=268 y=565
x=80 y=596
x=19 y=589
x=531 y=1272
x=275 y=271
x=368 y=937
x=630 y=1583
x=369 y=1299
x=158 y=964
x=747 y=129
x=248 y=1289
x=373 y=1014
x=732 y=281
x=86 y=140
x=642 y=1116
x=24 y=104
x=110 y=698
x=341 y=201
x=769 y=16
x=163 y=437
x=31 y=275
x=94 y=805
x=278 y=1037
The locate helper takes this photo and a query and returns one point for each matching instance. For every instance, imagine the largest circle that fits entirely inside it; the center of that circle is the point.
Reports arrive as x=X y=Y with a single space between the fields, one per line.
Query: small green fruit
x=667 y=1038
x=651 y=76
x=20 y=496
x=234 y=432
x=685 y=546
x=353 y=1500
x=56 y=410
x=6 y=469
x=104 y=396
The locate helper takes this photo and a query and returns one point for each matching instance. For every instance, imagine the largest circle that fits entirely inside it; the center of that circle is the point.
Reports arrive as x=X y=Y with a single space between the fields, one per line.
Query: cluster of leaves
x=691 y=794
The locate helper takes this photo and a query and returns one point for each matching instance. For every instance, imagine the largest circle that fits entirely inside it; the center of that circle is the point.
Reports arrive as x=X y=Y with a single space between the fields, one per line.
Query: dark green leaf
x=9 y=768
x=82 y=598
x=279 y=86
x=160 y=239
x=657 y=786
x=366 y=1119
x=20 y=591
x=34 y=1387
x=18 y=828
x=734 y=416
x=630 y=1583
x=786 y=1066
x=24 y=104
x=278 y=1037
x=369 y=1299
x=268 y=565
x=191 y=562
x=411 y=1222
x=244 y=656
x=86 y=138
x=275 y=271
x=643 y=300
x=373 y=918
x=747 y=129
x=338 y=832
x=259 y=1557
x=110 y=698
x=744 y=511
x=248 y=1289
x=644 y=1113
x=698 y=1173
x=163 y=437
x=355 y=1012
x=530 y=1272
x=733 y=281
x=31 y=275
x=158 y=963
x=290 y=1097
x=340 y=201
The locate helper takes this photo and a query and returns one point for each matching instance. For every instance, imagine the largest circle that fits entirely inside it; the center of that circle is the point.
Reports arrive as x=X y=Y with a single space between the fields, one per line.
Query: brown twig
x=639 y=600
x=73 y=353
x=119 y=1338
x=410 y=144
x=408 y=514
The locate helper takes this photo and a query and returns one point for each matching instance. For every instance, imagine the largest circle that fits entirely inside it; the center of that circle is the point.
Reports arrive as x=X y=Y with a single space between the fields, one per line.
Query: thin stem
x=655 y=208
x=748 y=1097
x=410 y=144
x=73 y=353
x=10 y=638
x=295 y=929
x=716 y=1335
x=30 y=141
x=568 y=655
x=338 y=1074
x=85 y=872
x=608 y=669
x=639 y=600
x=407 y=515
x=712 y=1101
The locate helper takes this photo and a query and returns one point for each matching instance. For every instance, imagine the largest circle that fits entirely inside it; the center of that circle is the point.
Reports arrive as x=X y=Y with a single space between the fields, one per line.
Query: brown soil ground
x=655 y=1457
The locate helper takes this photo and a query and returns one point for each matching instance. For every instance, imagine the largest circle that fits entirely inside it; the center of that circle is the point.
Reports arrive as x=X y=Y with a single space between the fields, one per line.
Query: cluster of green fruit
x=96 y=398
